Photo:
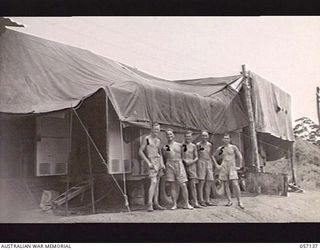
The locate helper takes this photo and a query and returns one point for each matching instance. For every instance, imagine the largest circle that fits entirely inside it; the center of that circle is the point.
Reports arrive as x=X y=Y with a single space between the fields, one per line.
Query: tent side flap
x=272 y=109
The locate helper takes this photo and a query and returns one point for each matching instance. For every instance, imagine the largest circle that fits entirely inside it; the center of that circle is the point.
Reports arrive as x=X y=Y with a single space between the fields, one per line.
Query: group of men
x=188 y=163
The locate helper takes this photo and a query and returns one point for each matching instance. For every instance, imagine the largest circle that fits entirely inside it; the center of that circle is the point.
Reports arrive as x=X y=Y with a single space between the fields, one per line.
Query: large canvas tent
x=38 y=76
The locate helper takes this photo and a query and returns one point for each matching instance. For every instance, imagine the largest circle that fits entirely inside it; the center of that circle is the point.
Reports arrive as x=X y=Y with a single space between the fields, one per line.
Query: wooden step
x=72 y=193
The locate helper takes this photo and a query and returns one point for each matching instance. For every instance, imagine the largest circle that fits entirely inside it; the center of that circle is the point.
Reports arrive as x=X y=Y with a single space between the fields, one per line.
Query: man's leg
x=228 y=192
x=173 y=194
x=207 y=187
x=184 y=192
x=236 y=188
x=164 y=197
x=156 y=196
x=193 y=189
x=213 y=190
x=153 y=183
x=200 y=192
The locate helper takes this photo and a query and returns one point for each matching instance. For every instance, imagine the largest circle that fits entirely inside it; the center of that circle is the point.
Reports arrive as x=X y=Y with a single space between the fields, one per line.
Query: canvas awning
x=38 y=75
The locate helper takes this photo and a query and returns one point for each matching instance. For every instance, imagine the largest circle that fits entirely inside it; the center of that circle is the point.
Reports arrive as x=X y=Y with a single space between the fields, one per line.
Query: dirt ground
x=297 y=207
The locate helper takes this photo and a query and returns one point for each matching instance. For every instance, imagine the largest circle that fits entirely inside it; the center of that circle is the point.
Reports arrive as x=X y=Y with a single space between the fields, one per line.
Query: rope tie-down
x=103 y=161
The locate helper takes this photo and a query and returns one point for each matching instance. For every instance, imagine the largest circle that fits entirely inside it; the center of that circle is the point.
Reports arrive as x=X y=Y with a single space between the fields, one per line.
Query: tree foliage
x=307 y=130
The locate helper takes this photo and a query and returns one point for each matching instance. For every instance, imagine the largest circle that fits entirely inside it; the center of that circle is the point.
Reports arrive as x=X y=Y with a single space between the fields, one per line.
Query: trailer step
x=71 y=193
x=294 y=188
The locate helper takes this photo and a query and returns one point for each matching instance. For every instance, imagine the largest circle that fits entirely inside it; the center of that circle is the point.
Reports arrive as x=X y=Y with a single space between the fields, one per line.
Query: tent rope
x=103 y=161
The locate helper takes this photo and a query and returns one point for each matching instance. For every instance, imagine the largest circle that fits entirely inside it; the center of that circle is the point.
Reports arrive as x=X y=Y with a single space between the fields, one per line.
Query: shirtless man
x=229 y=154
x=150 y=152
x=205 y=169
x=175 y=171
x=190 y=158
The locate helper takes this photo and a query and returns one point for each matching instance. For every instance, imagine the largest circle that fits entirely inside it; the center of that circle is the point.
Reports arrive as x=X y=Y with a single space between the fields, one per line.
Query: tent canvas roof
x=38 y=75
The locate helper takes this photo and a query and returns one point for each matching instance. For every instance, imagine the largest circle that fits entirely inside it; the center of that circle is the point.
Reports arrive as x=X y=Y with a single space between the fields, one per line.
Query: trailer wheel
x=217 y=189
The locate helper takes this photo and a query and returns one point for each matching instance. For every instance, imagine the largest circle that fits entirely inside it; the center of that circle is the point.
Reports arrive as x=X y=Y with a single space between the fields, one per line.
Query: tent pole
x=318 y=104
x=69 y=163
x=294 y=181
x=91 y=176
x=252 y=126
x=123 y=168
x=107 y=129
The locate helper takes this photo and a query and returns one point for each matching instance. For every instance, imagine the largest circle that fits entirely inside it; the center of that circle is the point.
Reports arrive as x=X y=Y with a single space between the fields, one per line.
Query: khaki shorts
x=175 y=171
x=205 y=170
x=192 y=171
x=156 y=170
x=228 y=173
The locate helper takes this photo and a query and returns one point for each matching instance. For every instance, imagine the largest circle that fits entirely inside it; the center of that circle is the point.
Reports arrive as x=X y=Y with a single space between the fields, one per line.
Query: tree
x=307 y=130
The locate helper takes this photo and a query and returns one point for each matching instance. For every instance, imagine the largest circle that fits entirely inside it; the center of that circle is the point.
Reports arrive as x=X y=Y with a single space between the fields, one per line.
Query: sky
x=284 y=50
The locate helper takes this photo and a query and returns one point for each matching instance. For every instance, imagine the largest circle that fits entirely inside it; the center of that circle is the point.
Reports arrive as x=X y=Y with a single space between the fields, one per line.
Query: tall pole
x=69 y=163
x=126 y=201
x=252 y=126
x=318 y=104
x=91 y=176
x=294 y=181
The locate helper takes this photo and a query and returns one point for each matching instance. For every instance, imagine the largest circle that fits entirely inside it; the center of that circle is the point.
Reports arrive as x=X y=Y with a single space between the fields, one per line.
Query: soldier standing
x=150 y=152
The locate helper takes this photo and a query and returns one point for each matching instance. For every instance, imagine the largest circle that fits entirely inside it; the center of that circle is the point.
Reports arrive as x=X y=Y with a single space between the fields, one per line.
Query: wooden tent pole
x=69 y=163
x=123 y=168
x=91 y=176
x=252 y=126
x=292 y=165
x=318 y=104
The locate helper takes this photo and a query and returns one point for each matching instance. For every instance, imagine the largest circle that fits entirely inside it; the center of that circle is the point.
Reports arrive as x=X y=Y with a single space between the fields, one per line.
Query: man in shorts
x=205 y=169
x=190 y=158
x=175 y=171
x=150 y=152
x=230 y=154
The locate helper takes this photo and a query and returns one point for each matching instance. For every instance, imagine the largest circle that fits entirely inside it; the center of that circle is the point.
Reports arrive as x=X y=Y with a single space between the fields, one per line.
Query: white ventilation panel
x=52 y=156
x=116 y=167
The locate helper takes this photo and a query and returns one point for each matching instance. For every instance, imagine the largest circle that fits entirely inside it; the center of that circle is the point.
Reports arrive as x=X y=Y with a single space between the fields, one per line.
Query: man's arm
x=161 y=156
x=214 y=161
x=197 y=146
x=185 y=161
x=213 y=157
x=238 y=155
x=195 y=154
x=142 y=154
x=183 y=155
x=216 y=153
